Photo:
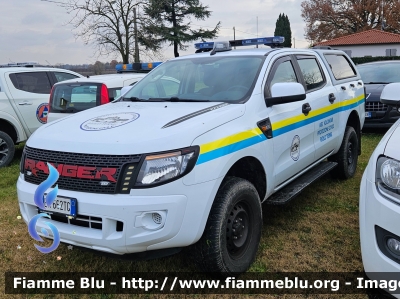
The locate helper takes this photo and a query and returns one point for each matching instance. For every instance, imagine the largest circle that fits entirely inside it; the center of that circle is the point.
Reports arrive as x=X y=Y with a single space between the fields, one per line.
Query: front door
x=293 y=142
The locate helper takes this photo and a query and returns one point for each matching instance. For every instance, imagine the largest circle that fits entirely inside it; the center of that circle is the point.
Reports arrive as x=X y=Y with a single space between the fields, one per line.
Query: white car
x=380 y=203
x=80 y=94
x=191 y=151
x=24 y=102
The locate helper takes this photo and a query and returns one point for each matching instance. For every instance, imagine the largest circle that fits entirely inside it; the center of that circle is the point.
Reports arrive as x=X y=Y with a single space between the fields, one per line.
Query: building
x=367 y=43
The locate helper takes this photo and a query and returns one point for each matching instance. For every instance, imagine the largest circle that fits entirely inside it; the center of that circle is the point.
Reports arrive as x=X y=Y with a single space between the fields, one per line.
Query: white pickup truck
x=24 y=102
x=168 y=166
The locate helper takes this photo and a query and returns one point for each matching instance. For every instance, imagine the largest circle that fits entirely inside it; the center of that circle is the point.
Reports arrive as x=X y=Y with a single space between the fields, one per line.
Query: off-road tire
x=7 y=149
x=232 y=234
x=347 y=156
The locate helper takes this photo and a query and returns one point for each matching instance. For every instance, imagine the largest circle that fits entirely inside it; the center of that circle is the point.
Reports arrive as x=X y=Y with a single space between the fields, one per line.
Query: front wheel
x=7 y=149
x=233 y=230
x=347 y=156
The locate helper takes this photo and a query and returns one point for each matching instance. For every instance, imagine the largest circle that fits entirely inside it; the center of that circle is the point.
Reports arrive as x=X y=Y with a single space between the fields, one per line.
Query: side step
x=294 y=188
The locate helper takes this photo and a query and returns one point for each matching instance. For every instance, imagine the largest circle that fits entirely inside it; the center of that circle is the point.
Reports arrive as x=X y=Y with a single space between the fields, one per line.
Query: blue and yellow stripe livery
x=227 y=145
x=230 y=144
x=289 y=124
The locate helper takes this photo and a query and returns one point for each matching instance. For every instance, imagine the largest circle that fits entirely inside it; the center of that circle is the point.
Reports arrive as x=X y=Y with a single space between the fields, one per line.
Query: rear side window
x=311 y=73
x=35 y=82
x=64 y=76
x=340 y=66
x=75 y=97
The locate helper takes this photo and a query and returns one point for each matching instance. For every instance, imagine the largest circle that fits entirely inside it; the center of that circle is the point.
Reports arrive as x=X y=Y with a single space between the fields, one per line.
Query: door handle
x=332 y=98
x=359 y=83
x=352 y=85
x=306 y=108
x=343 y=87
x=25 y=103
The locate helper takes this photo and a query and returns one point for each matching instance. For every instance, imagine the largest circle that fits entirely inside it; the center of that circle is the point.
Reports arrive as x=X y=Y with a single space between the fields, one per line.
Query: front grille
x=375 y=106
x=90 y=160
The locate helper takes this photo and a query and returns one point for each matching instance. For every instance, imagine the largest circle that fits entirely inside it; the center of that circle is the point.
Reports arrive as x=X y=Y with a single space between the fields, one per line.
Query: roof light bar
x=20 y=64
x=268 y=41
x=200 y=46
x=136 y=67
x=273 y=41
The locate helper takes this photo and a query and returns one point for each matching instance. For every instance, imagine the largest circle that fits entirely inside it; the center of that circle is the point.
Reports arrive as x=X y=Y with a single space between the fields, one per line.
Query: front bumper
x=377 y=214
x=382 y=118
x=126 y=220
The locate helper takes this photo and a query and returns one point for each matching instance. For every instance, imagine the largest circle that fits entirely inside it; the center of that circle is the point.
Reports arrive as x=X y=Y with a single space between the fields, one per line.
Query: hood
x=134 y=128
x=374 y=92
x=392 y=146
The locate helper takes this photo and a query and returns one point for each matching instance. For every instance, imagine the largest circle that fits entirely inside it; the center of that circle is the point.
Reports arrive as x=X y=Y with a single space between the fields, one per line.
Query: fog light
x=398 y=109
x=151 y=220
x=394 y=246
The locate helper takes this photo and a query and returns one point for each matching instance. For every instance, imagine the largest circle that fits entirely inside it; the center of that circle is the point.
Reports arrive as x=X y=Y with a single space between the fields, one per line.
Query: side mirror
x=391 y=95
x=282 y=93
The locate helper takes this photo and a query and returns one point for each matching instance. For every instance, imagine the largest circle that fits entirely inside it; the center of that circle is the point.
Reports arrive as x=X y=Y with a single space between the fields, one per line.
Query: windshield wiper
x=176 y=99
x=133 y=99
x=377 y=82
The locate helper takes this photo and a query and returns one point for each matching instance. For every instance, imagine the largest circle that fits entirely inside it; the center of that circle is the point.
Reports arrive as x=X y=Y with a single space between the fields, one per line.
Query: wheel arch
x=9 y=129
x=251 y=169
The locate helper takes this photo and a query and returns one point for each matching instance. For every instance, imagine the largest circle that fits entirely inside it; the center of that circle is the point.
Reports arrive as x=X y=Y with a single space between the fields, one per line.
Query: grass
x=316 y=232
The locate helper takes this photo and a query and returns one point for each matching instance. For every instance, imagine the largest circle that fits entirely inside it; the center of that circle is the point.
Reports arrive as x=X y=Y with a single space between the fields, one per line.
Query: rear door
x=324 y=100
x=30 y=94
x=349 y=87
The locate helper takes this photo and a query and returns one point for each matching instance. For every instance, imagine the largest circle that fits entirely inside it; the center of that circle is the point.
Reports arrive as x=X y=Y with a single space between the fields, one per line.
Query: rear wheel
x=347 y=156
x=7 y=149
x=233 y=230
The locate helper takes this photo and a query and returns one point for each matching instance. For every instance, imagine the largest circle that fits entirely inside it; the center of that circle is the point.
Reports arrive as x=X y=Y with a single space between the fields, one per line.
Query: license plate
x=368 y=114
x=62 y=205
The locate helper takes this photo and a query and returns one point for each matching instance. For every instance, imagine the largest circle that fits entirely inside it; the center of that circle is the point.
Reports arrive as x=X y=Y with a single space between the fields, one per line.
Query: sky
x=34 y=30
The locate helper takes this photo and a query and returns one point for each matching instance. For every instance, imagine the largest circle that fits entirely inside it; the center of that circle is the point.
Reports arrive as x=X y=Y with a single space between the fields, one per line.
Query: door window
x=64 y=76
x=34 y=82
x=340 y=66
x=311 y=73
x=284 y=73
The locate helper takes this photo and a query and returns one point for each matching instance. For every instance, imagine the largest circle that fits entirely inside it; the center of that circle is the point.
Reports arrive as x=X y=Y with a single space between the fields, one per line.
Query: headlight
x=388 y=177
x=390 y=173
x=162 y=168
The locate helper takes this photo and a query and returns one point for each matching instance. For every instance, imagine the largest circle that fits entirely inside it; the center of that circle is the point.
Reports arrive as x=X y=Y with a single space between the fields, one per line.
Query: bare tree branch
x=107 y=25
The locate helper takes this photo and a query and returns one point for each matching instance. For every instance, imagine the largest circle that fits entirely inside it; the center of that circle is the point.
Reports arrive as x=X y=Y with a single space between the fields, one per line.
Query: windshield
x=380 y=73
x=215 y=79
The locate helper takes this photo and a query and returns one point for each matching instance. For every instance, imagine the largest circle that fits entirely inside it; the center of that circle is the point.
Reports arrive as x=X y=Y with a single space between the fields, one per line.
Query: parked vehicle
x=79 y=94
x=191 y=151
x=380 y=202
x=375 y=76
x=24 y=98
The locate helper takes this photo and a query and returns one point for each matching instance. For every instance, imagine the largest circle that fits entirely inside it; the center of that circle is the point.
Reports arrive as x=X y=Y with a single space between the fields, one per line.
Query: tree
x=328 y=19
x=113 y=63
x=282 y=28
x=168 y=21
x=109 y=25
x=98 y=68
